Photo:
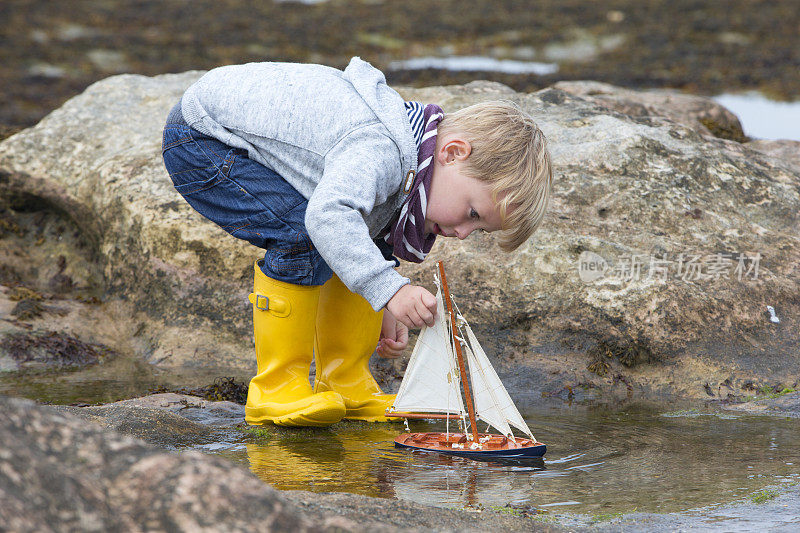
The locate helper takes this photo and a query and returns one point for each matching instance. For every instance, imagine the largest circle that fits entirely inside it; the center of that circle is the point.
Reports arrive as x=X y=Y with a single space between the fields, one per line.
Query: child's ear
x=455 y=149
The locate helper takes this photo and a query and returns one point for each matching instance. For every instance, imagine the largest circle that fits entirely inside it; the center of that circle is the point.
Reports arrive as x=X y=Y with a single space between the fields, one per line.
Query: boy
x=331 y=172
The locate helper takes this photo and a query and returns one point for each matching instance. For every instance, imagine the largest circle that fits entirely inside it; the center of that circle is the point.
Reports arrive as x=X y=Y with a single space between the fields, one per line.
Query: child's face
x=457 y=203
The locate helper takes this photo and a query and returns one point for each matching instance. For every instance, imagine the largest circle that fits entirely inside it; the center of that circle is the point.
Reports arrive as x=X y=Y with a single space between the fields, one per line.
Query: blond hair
x=510 y=152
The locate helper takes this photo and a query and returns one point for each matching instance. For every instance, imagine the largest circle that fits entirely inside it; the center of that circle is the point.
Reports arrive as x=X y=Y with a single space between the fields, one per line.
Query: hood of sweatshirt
x=371 y=85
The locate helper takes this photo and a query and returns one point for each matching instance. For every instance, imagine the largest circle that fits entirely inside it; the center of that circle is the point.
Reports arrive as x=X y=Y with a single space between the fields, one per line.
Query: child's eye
x=473 y=214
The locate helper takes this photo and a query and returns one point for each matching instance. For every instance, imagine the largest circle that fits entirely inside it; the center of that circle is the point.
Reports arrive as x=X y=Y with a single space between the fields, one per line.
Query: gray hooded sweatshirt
x=341 y=138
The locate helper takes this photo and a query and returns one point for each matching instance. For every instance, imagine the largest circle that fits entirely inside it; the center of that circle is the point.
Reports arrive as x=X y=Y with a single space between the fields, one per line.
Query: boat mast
x=462 y=369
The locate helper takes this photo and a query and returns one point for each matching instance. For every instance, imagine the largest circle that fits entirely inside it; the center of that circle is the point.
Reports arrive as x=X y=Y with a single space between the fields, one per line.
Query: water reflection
x=118 y=379
x=460 y=482
x=598 y=462
x=347 y=460
x=763 y=118
x=289 y=465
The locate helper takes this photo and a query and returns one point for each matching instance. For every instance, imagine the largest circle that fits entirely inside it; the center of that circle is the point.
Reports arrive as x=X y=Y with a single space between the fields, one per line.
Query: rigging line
x=492 y=393
x=484 y=389
x=481 y=370
x=455 y=375
x=447 y=420
x=461 y=318
x=454 y=368
x=450 y=347
x=461 y=341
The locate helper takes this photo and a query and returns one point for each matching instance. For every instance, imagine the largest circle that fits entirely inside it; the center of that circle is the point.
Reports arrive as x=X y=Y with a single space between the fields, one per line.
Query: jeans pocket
x=194 y=162
x=175 y=134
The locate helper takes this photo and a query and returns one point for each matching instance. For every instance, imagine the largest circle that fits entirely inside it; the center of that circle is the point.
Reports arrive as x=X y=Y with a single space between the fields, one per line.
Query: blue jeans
x=246 y=199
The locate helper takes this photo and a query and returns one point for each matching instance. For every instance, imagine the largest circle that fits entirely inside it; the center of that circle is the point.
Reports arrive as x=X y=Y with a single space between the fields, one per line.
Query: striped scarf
x=407 y=237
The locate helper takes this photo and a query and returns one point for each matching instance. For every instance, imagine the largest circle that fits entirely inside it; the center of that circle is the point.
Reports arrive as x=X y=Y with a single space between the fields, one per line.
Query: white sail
x=493 y=405
x=431 y=383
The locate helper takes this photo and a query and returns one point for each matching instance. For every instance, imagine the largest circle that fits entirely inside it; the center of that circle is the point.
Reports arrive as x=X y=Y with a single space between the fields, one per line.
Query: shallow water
x=119 y=379
x=763 y=118
x=477 y=64
x=599 y=460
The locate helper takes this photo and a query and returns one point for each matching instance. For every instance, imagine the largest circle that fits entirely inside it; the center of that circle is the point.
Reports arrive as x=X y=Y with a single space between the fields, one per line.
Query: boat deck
x=458 y=444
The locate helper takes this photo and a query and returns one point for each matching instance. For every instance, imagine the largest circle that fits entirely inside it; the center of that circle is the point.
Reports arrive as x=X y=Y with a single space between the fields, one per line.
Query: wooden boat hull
x=494 y=446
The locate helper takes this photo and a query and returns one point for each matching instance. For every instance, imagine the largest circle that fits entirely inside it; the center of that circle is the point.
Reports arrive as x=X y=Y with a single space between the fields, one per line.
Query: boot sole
x=309 y=417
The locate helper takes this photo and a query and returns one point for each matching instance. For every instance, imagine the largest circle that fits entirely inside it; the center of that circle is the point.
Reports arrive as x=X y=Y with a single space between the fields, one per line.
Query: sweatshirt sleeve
x=361 y=171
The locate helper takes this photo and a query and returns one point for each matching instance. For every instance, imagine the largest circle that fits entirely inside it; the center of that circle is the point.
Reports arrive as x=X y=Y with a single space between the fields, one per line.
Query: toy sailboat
x=431 y=389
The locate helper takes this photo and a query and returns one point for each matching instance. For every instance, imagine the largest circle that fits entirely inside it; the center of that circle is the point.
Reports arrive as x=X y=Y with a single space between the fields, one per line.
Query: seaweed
x=223 y=389
x=54 y=349
x=23 y=293
x=27 y=309
x=629 y=354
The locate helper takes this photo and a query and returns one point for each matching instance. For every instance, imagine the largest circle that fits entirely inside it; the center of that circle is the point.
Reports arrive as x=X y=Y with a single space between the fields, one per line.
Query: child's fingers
x=393 y=344
x=408 y=321
x=388 y=349
x=425 y=314
x=414 y=320
x=429 y=301
x=398 y=335
x=402 y=335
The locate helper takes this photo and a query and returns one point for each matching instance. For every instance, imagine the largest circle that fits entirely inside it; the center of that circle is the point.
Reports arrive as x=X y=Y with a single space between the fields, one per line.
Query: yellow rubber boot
x=283 y=324
x=347 y=334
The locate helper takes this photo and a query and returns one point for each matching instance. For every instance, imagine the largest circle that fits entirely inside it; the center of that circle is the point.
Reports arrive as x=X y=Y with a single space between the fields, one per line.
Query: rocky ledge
x=667 y=265
x=60 y=472
x=787 y=404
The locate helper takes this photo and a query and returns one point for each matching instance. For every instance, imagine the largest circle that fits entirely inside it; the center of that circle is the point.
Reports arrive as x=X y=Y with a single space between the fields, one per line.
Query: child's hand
x=394 y=337
x=414 y=306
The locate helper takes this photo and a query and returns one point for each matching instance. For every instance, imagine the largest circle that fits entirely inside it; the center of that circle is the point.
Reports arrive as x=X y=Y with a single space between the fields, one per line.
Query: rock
x=43 y=332
x=112 y=61
x=27 y=309
x=380 y=514
x=701 y=114
x=156 y=426
x=165 y=419
x=58 y=473
x=784 y=150
x=629 y=189
x=46 y=70
x=48 y=350
x=777 y=512
x=123 y=230
x=783 y=405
